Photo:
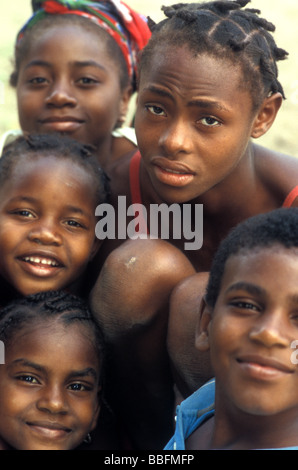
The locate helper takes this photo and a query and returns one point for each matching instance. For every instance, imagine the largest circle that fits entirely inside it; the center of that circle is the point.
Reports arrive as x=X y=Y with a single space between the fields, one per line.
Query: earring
x=88 y=439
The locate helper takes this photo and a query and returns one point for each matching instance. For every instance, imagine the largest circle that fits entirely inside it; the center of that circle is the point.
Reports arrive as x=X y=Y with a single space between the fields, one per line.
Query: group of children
x=207 y=84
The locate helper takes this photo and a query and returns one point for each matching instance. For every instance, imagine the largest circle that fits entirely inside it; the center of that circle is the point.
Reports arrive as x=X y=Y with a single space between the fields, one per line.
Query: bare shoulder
x=278 y=171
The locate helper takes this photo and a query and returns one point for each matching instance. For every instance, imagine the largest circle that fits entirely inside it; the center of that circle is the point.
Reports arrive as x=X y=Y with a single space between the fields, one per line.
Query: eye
x=210 y=122
x=28 y=379
x=74 y=224
x=156 y=110
x=244 y=305
x=87 y=81
x=79 y=387
x=23 y=213
x=37 y=80
x=294 y=317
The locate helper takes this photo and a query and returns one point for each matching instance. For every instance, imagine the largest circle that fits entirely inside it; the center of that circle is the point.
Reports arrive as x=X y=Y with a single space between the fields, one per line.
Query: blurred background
x=283 y=136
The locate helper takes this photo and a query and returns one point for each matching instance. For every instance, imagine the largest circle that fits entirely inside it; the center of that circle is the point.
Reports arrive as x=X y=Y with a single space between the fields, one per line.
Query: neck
x=234 y=190
x=103 y=152
x=240 y=430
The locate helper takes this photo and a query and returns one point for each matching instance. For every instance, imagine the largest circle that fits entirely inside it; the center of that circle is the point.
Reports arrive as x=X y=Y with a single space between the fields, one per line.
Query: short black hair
x=224 y=30
x=42 y=145
x=32 y=35
x=278 y=227
x=48 y=306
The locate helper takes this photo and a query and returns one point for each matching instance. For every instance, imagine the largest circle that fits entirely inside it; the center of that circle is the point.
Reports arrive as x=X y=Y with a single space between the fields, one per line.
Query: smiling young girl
x=52 y=376
x=75 y=71
x=208 y=87
x=50 y=187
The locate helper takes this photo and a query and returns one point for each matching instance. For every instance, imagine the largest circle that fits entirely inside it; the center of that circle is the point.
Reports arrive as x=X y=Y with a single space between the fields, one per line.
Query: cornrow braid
x=47 y=306
x=226 y=30
x=60 y=146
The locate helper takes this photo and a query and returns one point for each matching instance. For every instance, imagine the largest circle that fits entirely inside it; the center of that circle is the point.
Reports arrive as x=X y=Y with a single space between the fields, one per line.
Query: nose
x=176 y=138
x=45 y=233
x=52 y=399
x=61 y=94
x=270 y=331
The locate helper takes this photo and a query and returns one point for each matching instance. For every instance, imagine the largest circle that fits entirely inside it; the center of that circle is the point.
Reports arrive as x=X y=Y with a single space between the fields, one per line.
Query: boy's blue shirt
x=192 y=412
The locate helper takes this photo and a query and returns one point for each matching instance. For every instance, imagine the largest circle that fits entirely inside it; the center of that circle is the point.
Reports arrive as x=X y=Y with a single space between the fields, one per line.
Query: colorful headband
x=127 y=27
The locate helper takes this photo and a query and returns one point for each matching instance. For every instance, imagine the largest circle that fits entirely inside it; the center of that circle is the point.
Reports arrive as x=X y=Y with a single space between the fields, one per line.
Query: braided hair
x=60 y=146
x=224 y=30
x=49 y=306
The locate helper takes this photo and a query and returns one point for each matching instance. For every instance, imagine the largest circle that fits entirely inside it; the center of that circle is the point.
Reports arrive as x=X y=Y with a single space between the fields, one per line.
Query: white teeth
x=36 y=260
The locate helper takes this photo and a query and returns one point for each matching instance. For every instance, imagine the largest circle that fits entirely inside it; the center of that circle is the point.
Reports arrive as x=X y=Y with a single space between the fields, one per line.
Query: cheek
x=224 y=337
x=9 y=237
x=81 y=250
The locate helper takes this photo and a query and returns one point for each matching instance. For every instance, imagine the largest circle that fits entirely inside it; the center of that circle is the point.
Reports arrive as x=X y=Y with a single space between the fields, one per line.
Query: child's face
x=68 y=83
x=193 y=122
x=251 y=333
x=49 y=388
x=47 y=224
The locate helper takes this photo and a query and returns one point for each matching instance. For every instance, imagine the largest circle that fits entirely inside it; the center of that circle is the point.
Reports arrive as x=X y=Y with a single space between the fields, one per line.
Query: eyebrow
x=88 y=63
x=207 y=104
x=23 y=198
x=77 y=63
x=248 y=287
x=27 y=363
x=159 y=91
x=32 y=200
x=200 y=103
x=78 y=210
x=87 y=372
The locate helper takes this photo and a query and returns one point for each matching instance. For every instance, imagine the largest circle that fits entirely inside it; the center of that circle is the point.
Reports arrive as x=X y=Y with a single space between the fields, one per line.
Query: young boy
x=249 y=322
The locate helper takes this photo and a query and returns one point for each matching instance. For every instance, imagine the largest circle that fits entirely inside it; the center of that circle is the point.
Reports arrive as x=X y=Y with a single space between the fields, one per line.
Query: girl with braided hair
x=50 y=186
x=75 y=72
x=208 y=88
x=51 y=379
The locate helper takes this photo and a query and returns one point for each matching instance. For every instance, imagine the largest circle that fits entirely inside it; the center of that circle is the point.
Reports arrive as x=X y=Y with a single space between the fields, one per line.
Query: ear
x=266 y=115
x=202 y=331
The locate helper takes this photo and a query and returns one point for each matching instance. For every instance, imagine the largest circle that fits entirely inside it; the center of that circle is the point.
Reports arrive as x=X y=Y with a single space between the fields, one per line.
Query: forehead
x=46 y=341
x=260 y=267
x=187 y=70
x=74 y=40
x=50 y=171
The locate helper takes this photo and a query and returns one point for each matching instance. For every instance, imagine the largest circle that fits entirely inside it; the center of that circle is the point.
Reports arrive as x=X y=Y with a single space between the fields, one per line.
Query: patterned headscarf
x=127 y=27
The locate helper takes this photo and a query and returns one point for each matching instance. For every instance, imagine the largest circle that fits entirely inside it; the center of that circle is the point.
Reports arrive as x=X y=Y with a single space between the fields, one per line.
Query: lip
x=263 y=367
x=40 y=264
x=171 y=172
x=61 y=123
x=48 y=429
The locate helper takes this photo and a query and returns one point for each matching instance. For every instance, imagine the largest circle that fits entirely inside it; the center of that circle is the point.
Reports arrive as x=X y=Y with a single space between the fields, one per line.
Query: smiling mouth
x=49 y=430
x=41 y=261
x=263 y=367
x=40 y=265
